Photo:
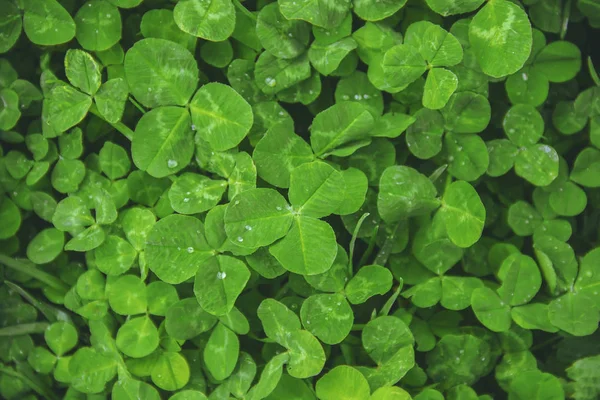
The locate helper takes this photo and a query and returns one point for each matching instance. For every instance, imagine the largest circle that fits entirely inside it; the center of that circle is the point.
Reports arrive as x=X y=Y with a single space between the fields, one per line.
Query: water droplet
x=248 y=227
x=178 y=248
x=290 y=34
x=281 y=113
x=278 y=208
x=366 y=96
x=221 y=275
x=107 y=15
x=588 y=274
x=307 y=322
x=357 y=97
x=193 y=127
x=237 y=202
x=190 y=249
x=339 y=304
x=461 y=351
x=240 y=239
x=186 y=199
x=459 y=148
x=482 y=358
x=524 y=76
x=270 y=82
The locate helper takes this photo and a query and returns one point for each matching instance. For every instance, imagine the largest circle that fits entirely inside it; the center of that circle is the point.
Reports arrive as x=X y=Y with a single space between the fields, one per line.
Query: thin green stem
x=137 y=105
x=119 y=126
x=45 y=393
x=244 y=10
x=353 y=242
x=32 y=271
x=372 y=242
x=23 y=329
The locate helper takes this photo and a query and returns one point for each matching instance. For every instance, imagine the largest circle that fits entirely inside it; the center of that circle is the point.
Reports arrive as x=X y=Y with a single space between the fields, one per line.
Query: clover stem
x=353 y=242
x=384 y=252
x=32 y=271
x=121 y=127
x=137 y=105
x=244 y=10
x=23 y=329
x=372 y=242
x=44 y=392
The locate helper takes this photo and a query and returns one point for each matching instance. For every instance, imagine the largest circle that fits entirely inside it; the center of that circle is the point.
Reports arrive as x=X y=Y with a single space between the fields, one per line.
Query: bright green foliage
x=299 y=199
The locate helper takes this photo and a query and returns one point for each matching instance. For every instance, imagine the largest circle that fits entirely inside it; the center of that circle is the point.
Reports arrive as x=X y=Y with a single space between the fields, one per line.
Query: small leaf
x=463 y=213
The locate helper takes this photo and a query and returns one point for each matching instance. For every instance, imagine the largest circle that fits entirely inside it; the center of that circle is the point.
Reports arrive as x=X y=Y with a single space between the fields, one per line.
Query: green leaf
x=161 y=73
x=161 y=142
x=47 y=23
x=278 y=321
x=521 y=279
x=467 y=156
x=278 y=153
x=65 y=107
x=457 y=291
x=586 y=169
x=257 y=217
x=328 y=317
x=439 y=86
x=185 y=319
x=384 y=337
x=343 y=382
x=61 y=337
x=467 y=112
x=160 y=24
x=326 y=14
x=402 y=65
x=568 y=200
x=529 y=87
x=138 y=337
x=193 y=193
x=463 y=213
x=284 y=38
x=269 y=377
x=369 y=281
x=438 y=47
x=114 y=160
x=490 y=310
x=326 y=58
x=583 y=373
x=523 y=125
x=9 y=110
x=536 y=385
x=98 y=25
x=559 y=61
x=272 y=74
x=307 y=357
x=176 y=248
x=115 y=256
x=46 y=246
x=446 y=8
x=111 y=99
x=537 y=164
x=219 y=282
x=11 y=25
x=90 y=371
x=316 y=189
x=211 y=20
x=171 y=371
x=309 y=248
x=221 y=352
x=458 y=359
x=500 y=35
x=502 y=153
x=571 y=313
x=127 y=295
x=376 y=10
x=222 y=116
x=403 y=193
x=339 y=125
x=83 y=71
